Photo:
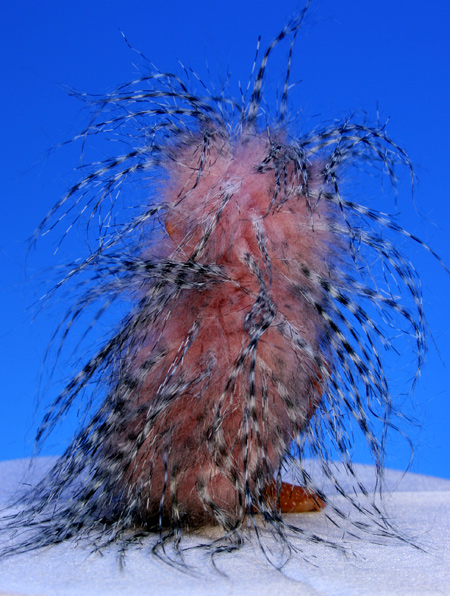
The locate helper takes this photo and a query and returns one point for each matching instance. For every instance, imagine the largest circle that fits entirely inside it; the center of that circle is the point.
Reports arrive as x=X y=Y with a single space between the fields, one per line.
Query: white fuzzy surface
x=420 y=504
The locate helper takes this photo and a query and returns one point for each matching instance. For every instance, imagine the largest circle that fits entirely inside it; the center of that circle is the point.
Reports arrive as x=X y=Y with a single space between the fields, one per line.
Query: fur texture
x=254 y=286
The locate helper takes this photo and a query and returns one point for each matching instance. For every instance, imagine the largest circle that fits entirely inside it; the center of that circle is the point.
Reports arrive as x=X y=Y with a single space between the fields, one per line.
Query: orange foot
x=293 y=499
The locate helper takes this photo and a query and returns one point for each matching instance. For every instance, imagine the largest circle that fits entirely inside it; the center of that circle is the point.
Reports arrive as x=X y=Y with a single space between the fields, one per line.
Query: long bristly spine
x=252 y=321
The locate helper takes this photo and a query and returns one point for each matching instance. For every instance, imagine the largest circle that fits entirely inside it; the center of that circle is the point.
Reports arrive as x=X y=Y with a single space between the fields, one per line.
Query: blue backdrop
x=350 y=55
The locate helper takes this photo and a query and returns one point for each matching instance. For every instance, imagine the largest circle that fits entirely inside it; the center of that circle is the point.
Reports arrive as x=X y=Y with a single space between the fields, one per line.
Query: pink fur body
x=261 y=294
x=232 y=424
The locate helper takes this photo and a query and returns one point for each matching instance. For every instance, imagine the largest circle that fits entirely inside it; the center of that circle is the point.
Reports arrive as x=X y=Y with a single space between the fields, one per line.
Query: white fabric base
x=420 y=505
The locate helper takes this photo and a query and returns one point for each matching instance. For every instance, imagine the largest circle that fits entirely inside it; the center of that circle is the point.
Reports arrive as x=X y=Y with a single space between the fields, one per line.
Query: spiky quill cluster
x=251 y=338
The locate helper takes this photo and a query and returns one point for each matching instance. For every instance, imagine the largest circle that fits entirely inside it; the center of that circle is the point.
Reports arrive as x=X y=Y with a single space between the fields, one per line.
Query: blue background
x=350 y=55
